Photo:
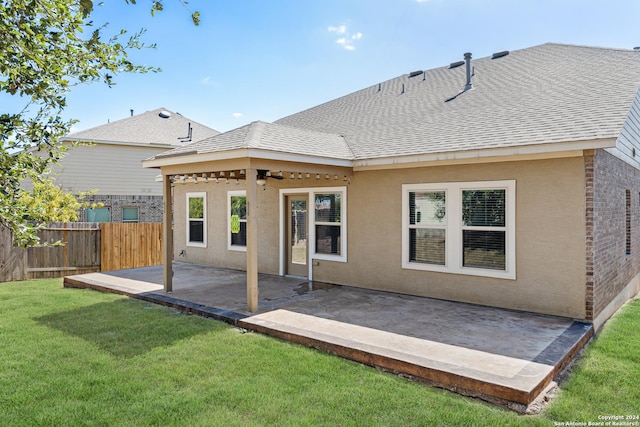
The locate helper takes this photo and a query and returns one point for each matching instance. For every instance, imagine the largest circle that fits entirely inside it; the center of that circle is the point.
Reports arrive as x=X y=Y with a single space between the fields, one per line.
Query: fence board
x=130 y=245
x=13 y=261
x=80 y=252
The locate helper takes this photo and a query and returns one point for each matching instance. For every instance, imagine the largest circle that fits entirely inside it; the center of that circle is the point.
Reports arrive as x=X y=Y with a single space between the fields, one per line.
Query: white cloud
x=237 y=115
x=208 y=82
x=341 y=29
x=346 y=39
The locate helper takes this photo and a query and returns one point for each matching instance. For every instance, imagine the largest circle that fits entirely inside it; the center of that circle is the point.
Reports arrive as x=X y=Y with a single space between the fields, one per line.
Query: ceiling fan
x=263 y=174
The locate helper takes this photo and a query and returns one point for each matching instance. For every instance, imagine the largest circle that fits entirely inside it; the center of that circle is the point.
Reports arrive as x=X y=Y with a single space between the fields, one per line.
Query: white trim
x=132 y=144
x=243 y=153
x=481 y=155
x=232 y=193
x=195 y=195
x=311 y=234
x=454 y=227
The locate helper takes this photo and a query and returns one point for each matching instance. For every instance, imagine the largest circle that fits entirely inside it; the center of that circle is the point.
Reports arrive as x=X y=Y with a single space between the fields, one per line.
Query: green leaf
x=195 y=17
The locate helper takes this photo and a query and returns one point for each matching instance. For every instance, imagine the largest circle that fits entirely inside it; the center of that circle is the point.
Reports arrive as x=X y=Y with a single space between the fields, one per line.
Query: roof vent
x=500 y=54
x=456 y=64
x=164 y=114
x=470 y=73
x=415 y=73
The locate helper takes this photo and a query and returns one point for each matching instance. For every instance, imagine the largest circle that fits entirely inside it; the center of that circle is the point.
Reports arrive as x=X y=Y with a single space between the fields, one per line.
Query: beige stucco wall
x=217 y=252
x=550 y=240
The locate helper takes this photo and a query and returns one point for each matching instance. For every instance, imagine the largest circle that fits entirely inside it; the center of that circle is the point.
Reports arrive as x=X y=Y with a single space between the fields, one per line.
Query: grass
x=77 y=357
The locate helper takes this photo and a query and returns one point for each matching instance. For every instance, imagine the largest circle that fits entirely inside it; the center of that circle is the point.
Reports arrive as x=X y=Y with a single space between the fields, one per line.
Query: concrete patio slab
x=502 y=356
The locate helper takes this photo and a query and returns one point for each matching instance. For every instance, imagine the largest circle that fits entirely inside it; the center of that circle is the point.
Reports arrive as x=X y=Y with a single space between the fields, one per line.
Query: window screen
x=98 y=215
x=427 y=222
x=238 y=220
x=328 y=223
x=130 y=214
x=483 y=230
x=196 y=218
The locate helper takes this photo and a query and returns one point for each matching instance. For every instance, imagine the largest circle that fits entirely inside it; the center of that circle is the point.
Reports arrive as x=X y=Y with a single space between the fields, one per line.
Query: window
x=427 y=219
x=237 y=208
x=463 y=228
x=328 y=223
x=98 y=215
x=130 y=214
x=196 y=219
x=628 y=223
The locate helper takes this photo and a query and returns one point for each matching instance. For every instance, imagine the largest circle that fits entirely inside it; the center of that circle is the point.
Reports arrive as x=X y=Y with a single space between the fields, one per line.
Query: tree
x=46 y=48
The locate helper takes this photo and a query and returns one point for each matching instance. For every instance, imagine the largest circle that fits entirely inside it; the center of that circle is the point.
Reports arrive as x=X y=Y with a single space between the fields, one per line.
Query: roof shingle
x=147 y=128
x=544 y=94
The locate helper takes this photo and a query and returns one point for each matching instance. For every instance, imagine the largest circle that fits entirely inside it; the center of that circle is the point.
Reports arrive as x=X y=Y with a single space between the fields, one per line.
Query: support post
x=252 y=241
x=167 y=234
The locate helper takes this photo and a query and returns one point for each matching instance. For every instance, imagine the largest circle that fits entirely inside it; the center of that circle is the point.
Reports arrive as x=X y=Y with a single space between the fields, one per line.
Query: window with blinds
x=427 y=226
x=460 y=227
x=483 y=228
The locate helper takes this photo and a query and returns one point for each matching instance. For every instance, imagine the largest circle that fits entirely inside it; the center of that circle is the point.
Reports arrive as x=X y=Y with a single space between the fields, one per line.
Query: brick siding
x=149 y=207
x=609 y=267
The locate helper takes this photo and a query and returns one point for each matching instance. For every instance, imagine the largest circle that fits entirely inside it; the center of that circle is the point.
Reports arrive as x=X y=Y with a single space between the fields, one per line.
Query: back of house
x=509 y=181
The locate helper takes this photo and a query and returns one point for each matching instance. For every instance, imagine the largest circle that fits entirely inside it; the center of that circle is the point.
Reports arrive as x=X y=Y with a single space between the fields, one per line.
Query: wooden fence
x=130 y=245
x=79 y=254
x=88 y=247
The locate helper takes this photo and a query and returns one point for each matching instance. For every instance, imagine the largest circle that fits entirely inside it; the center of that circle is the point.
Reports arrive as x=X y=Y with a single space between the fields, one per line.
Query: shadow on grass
x=128 y=328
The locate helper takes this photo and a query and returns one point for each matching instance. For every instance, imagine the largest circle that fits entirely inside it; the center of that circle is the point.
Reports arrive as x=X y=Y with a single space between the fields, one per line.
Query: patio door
x=297 y=232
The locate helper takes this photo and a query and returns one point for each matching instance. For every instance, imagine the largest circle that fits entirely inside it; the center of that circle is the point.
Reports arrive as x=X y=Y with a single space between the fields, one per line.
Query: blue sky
x=262 y=60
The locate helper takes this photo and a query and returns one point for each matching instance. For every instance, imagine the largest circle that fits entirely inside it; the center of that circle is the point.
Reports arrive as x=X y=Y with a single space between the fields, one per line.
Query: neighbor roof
x=540 y=95
x=155 y=127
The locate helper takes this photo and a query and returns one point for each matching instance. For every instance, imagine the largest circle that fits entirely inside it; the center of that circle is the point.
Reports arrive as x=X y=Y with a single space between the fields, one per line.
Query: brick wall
x=609 y=267
x=149 y=207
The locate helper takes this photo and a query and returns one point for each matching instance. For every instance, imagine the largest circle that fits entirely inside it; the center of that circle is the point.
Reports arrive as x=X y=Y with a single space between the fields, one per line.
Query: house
x=510 y=181
x=109 y=162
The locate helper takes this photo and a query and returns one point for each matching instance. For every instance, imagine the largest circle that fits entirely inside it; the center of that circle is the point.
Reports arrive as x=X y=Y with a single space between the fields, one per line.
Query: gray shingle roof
x=273 y=137
x=543 y=94
x=146 y=128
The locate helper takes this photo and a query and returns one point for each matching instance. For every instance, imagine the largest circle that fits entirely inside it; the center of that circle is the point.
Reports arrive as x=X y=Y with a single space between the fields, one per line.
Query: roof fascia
x=253 y=153
x=135 y=144
x=486 y=155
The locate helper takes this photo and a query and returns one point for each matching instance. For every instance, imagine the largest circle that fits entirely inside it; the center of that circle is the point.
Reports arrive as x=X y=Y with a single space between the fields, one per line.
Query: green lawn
x=75 y=357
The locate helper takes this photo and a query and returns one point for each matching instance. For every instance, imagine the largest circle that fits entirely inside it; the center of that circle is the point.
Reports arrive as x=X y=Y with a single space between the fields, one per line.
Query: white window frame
x=454 y=228
x=311 y=210
x=197 y=195
x=235 y=193
x=311 y=233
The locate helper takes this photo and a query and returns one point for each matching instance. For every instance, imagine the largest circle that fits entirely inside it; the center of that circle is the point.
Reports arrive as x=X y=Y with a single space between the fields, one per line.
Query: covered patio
x=505 y=357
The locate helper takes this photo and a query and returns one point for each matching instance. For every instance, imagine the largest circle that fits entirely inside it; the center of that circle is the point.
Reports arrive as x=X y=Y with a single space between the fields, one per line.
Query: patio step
x=493 y=377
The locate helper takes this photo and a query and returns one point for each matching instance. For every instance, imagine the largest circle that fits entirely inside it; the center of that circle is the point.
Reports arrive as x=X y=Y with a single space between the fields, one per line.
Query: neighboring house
x=111 y=164
x=510 y=181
